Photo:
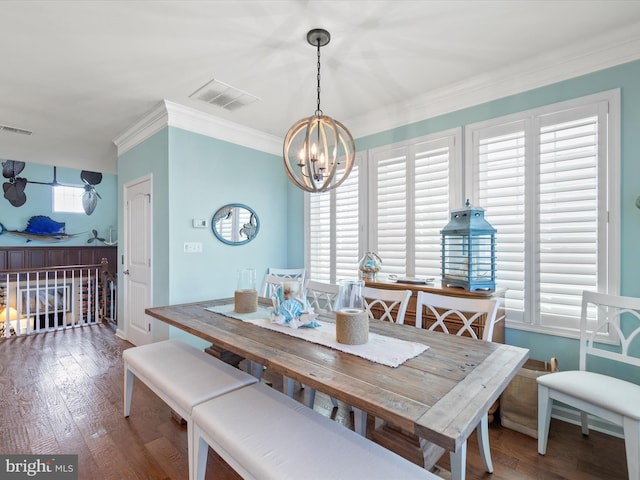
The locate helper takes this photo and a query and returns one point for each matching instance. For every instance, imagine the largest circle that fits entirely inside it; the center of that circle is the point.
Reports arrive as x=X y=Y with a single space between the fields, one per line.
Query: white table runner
x=380 y=349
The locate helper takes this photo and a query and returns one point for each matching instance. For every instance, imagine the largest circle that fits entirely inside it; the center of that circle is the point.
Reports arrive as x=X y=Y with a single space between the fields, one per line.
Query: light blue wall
x=149 y=157
x=193 y=176
x=205 y=174
x=39 y=202
x=295 y=233
x=627 y=78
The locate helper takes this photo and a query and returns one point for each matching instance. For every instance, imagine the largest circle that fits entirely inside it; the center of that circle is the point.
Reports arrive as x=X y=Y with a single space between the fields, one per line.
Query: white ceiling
x=80 y=73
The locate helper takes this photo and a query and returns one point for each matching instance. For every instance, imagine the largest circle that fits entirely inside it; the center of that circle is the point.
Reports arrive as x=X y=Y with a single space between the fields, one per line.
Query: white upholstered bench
x=181 y=375
x=263 y=434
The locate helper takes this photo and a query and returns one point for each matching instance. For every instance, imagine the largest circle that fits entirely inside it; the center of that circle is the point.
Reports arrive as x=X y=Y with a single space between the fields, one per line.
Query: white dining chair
x=465 y=313
x=320 y=295
x=290 y=273
x=392 y=304
x=273 y=285
x=381 y=304
x=605 y=320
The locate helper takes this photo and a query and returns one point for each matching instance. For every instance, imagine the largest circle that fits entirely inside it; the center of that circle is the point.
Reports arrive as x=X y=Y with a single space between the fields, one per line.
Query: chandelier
x=318 y=151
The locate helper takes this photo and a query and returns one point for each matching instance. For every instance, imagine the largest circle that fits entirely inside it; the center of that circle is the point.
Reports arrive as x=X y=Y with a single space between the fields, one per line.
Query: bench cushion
x=602 y=391
x=183 y=374
x=271 y=436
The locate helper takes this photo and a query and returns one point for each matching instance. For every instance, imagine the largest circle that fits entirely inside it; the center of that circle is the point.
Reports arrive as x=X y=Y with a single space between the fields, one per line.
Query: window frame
x=56 y=196
x=608 y=251
x=462 y=175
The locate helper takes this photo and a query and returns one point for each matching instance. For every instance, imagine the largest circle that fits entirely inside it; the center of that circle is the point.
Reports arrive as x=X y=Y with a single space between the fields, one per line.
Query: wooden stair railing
x=109 y=293
x=34 y=300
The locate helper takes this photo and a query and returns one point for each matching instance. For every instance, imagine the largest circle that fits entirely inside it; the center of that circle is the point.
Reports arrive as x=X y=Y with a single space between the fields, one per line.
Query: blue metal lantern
x=468 y=250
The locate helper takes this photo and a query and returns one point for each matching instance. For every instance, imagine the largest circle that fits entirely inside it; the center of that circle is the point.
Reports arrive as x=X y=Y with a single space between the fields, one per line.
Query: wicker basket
x=519 y=402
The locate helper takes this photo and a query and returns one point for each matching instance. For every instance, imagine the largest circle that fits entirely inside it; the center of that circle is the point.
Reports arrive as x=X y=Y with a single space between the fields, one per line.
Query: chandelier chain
x=318 y=111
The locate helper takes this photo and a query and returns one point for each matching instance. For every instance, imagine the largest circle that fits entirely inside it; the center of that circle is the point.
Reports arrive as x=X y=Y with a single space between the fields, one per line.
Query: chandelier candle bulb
x=352 y=326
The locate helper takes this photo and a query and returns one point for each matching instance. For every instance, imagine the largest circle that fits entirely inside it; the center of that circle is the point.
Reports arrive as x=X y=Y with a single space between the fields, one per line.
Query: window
x=408 y=181
x=67 y=199
x=333 y=230
x=547 y=179
x=543 y=178
x=413 y=187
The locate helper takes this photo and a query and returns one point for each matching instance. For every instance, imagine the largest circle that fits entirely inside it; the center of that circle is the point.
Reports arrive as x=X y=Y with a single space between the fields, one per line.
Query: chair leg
x=288 y=386
x=198 y=455
x=360 y=422
x=334 y=402
x=128 y=390
x=483 y=443
x=584 y=421
x=459 y=462
x=312 y=398
x=632 y=447
x=255 y=369
x=190 y=452
x=545 y=403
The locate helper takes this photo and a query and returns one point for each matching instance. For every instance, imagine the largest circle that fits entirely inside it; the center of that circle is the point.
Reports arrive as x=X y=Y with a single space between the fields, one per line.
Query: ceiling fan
x=14 y=187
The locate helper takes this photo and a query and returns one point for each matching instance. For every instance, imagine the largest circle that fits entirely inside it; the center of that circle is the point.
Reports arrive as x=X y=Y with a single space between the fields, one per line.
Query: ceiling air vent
x=8 y=129
x=222 y=95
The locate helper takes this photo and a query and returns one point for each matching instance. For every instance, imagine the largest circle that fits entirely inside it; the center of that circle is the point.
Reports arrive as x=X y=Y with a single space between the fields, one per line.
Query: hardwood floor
x=61 y=392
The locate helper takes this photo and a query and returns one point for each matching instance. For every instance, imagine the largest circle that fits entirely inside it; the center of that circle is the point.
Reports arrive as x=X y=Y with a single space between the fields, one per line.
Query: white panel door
x=137 y=258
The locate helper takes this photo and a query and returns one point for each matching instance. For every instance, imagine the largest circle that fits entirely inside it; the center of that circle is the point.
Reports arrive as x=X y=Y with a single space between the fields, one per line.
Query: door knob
x=126 y=272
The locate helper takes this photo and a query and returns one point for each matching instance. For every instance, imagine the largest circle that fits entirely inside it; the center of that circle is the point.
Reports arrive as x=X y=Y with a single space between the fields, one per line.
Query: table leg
x=431 y=453
x=459 y=462
x=360 y=421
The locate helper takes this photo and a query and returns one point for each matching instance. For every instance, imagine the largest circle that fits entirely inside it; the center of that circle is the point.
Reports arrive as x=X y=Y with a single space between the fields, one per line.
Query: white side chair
x=290 y=273
x=321 y=296
x=468 y=312
x=273 y=285
x=393 y=304
x=610 y=398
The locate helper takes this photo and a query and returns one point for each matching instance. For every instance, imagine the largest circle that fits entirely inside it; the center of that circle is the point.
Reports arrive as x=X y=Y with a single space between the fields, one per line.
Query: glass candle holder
x=246 y=296
x=352 y=319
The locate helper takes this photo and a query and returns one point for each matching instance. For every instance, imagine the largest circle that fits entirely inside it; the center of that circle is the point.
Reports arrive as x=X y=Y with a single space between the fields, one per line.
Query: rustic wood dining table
x=439 y=395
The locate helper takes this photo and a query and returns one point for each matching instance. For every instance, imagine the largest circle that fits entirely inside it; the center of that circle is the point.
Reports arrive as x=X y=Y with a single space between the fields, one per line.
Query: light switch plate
x=199 y=223
x=192 y=247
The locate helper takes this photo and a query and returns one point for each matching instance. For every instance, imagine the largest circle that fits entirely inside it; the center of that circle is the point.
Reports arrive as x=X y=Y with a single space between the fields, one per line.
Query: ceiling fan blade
x=14 y=192
x=89 y=201
x=12 y=168
x=91 y=178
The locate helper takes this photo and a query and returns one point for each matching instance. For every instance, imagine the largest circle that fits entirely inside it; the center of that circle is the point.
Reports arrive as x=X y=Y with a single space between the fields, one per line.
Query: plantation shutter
x=431 y=203
x=333 y=230
x=319 y=237
x=541 y=181
x=567 y=213
x=347 y=226
x=500 y=176
x=390 y=215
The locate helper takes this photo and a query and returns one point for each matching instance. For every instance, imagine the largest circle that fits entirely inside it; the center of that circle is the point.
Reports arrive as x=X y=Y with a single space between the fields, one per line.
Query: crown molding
x=150 y=124
x=614 y=48
x=172 y=114
x=605 y=51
